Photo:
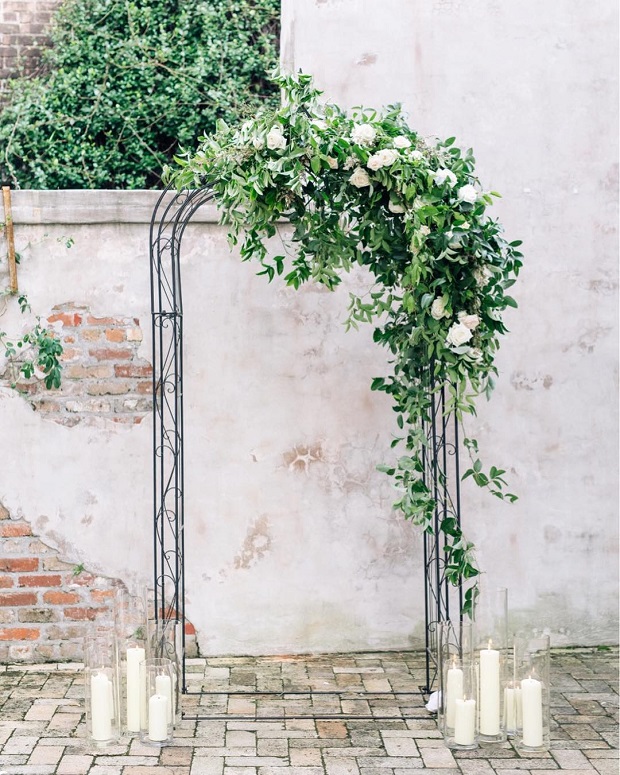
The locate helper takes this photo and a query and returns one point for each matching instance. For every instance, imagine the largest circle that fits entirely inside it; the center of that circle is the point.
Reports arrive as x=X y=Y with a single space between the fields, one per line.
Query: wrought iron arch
x=171 y=216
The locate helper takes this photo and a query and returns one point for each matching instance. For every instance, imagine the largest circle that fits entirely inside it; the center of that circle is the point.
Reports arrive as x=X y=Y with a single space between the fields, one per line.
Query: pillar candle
x=454 y=691
x=531 y=700
x=510 y=708
x=135 y=655
x=518 y=707
x=158 y=718
x=489 y=692
x=100 y=711
x=464 y=721
x=164 y=688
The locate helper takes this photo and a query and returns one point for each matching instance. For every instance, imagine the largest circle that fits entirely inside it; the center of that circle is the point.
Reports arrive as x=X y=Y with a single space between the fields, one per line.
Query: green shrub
x=129 y=81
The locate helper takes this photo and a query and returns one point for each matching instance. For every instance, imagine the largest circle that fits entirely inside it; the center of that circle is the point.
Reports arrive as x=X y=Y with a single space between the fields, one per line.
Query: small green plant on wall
x=364 y=189
x=34 y=353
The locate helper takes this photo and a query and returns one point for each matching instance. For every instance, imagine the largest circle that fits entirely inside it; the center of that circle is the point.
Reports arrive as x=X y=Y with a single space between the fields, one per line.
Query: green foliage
x=36 y=350
x=365 y=189
x=129 y=81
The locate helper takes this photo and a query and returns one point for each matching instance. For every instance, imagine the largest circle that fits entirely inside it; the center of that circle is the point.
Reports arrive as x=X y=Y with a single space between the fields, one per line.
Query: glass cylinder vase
x=101 y=687
x=455 y=671
x=532 y=694
x=493 y=662
x=131 y=634
x=165 y=642
x=157 y=711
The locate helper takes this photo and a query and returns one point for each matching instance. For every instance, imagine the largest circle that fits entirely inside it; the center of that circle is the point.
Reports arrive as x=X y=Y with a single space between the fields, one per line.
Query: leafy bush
x=129 y=81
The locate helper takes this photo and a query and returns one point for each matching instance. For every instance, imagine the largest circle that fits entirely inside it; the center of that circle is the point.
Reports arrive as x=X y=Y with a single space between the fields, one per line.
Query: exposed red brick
x=60 y=598
x=115 y=335
x=68 y=319
x=39 y=581
x=6 y=582
x=189 y=628
x=101 y=595
x=18 y=564
x=20 y=633
x=14 y=529
x=83 y=579
x=108 y=354
x=93 y=321
x=80 y=614
x=18 y=598
x=131 y=370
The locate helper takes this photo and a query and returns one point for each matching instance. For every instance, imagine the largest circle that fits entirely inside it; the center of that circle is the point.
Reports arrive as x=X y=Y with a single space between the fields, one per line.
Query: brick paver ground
x=42 y=721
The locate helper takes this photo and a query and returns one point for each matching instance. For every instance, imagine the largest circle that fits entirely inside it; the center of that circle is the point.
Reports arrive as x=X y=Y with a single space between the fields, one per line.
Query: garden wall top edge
x=82 y=206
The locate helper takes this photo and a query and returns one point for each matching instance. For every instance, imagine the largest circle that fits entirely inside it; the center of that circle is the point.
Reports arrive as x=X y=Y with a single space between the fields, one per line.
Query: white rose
x=402 y=142
x=424 y=230
x=458 y=335
x=443 y=175
x=438 y=308
x=416 y=155
x=471 y=321
x=394 y=207
x=467 y=194
x=258 y=143
x=364 y=134
x=374 y=162
x=275 y=139
x=333 y=163
x=388 y=156
x=359 y=178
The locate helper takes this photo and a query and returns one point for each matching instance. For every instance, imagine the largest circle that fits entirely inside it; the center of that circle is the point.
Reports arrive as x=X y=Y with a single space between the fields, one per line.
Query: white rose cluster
x=401 y=142
x=384 y=158
x=364 y=134
x=470 y=321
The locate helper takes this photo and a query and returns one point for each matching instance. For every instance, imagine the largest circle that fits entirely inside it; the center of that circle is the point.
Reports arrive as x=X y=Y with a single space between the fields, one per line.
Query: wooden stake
x=10 y=238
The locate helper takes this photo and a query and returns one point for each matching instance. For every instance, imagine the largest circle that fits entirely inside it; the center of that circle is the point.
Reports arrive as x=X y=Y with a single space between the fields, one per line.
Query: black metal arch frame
x=173 y=212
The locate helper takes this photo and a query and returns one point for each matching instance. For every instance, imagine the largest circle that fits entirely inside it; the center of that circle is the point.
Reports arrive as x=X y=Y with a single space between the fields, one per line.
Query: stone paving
x=42 y=721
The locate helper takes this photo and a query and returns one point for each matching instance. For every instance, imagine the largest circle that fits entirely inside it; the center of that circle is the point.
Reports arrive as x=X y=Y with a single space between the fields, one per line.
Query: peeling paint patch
x=367 y=59
x=301 y=457
x=521 y=381
x=256 y=544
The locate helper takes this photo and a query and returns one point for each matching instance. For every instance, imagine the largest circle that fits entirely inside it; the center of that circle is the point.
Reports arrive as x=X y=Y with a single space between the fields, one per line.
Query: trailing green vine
x=365 y=189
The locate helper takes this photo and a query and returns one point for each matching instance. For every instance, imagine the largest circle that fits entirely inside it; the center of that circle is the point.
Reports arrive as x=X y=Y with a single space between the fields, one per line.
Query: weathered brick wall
x=103 y=377
x=45 y=604
x=23 y=35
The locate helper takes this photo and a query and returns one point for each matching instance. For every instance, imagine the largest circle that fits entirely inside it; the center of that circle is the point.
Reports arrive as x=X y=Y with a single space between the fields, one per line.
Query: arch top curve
x=173 y=211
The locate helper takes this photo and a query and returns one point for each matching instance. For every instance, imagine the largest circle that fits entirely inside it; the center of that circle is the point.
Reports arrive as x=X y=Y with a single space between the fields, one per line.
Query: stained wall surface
x=291 y=541
x=533 y=88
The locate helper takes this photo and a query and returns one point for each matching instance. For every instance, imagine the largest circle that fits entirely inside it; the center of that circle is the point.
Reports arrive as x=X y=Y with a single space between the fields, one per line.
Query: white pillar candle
x=464 y=721
x=489 y=692
x=531 y=699
x=135 y=655
x=158 y=718
x=518 y=707
x=100 y=711
x=163 y=687
x=454 y=691
x=510 y=708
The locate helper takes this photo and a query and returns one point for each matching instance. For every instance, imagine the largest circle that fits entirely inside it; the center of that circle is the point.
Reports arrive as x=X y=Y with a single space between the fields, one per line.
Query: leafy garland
x=365 y=189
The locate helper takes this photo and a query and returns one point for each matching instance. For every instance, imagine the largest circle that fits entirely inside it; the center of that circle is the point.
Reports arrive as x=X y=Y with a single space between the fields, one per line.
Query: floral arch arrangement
x=365 y=189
